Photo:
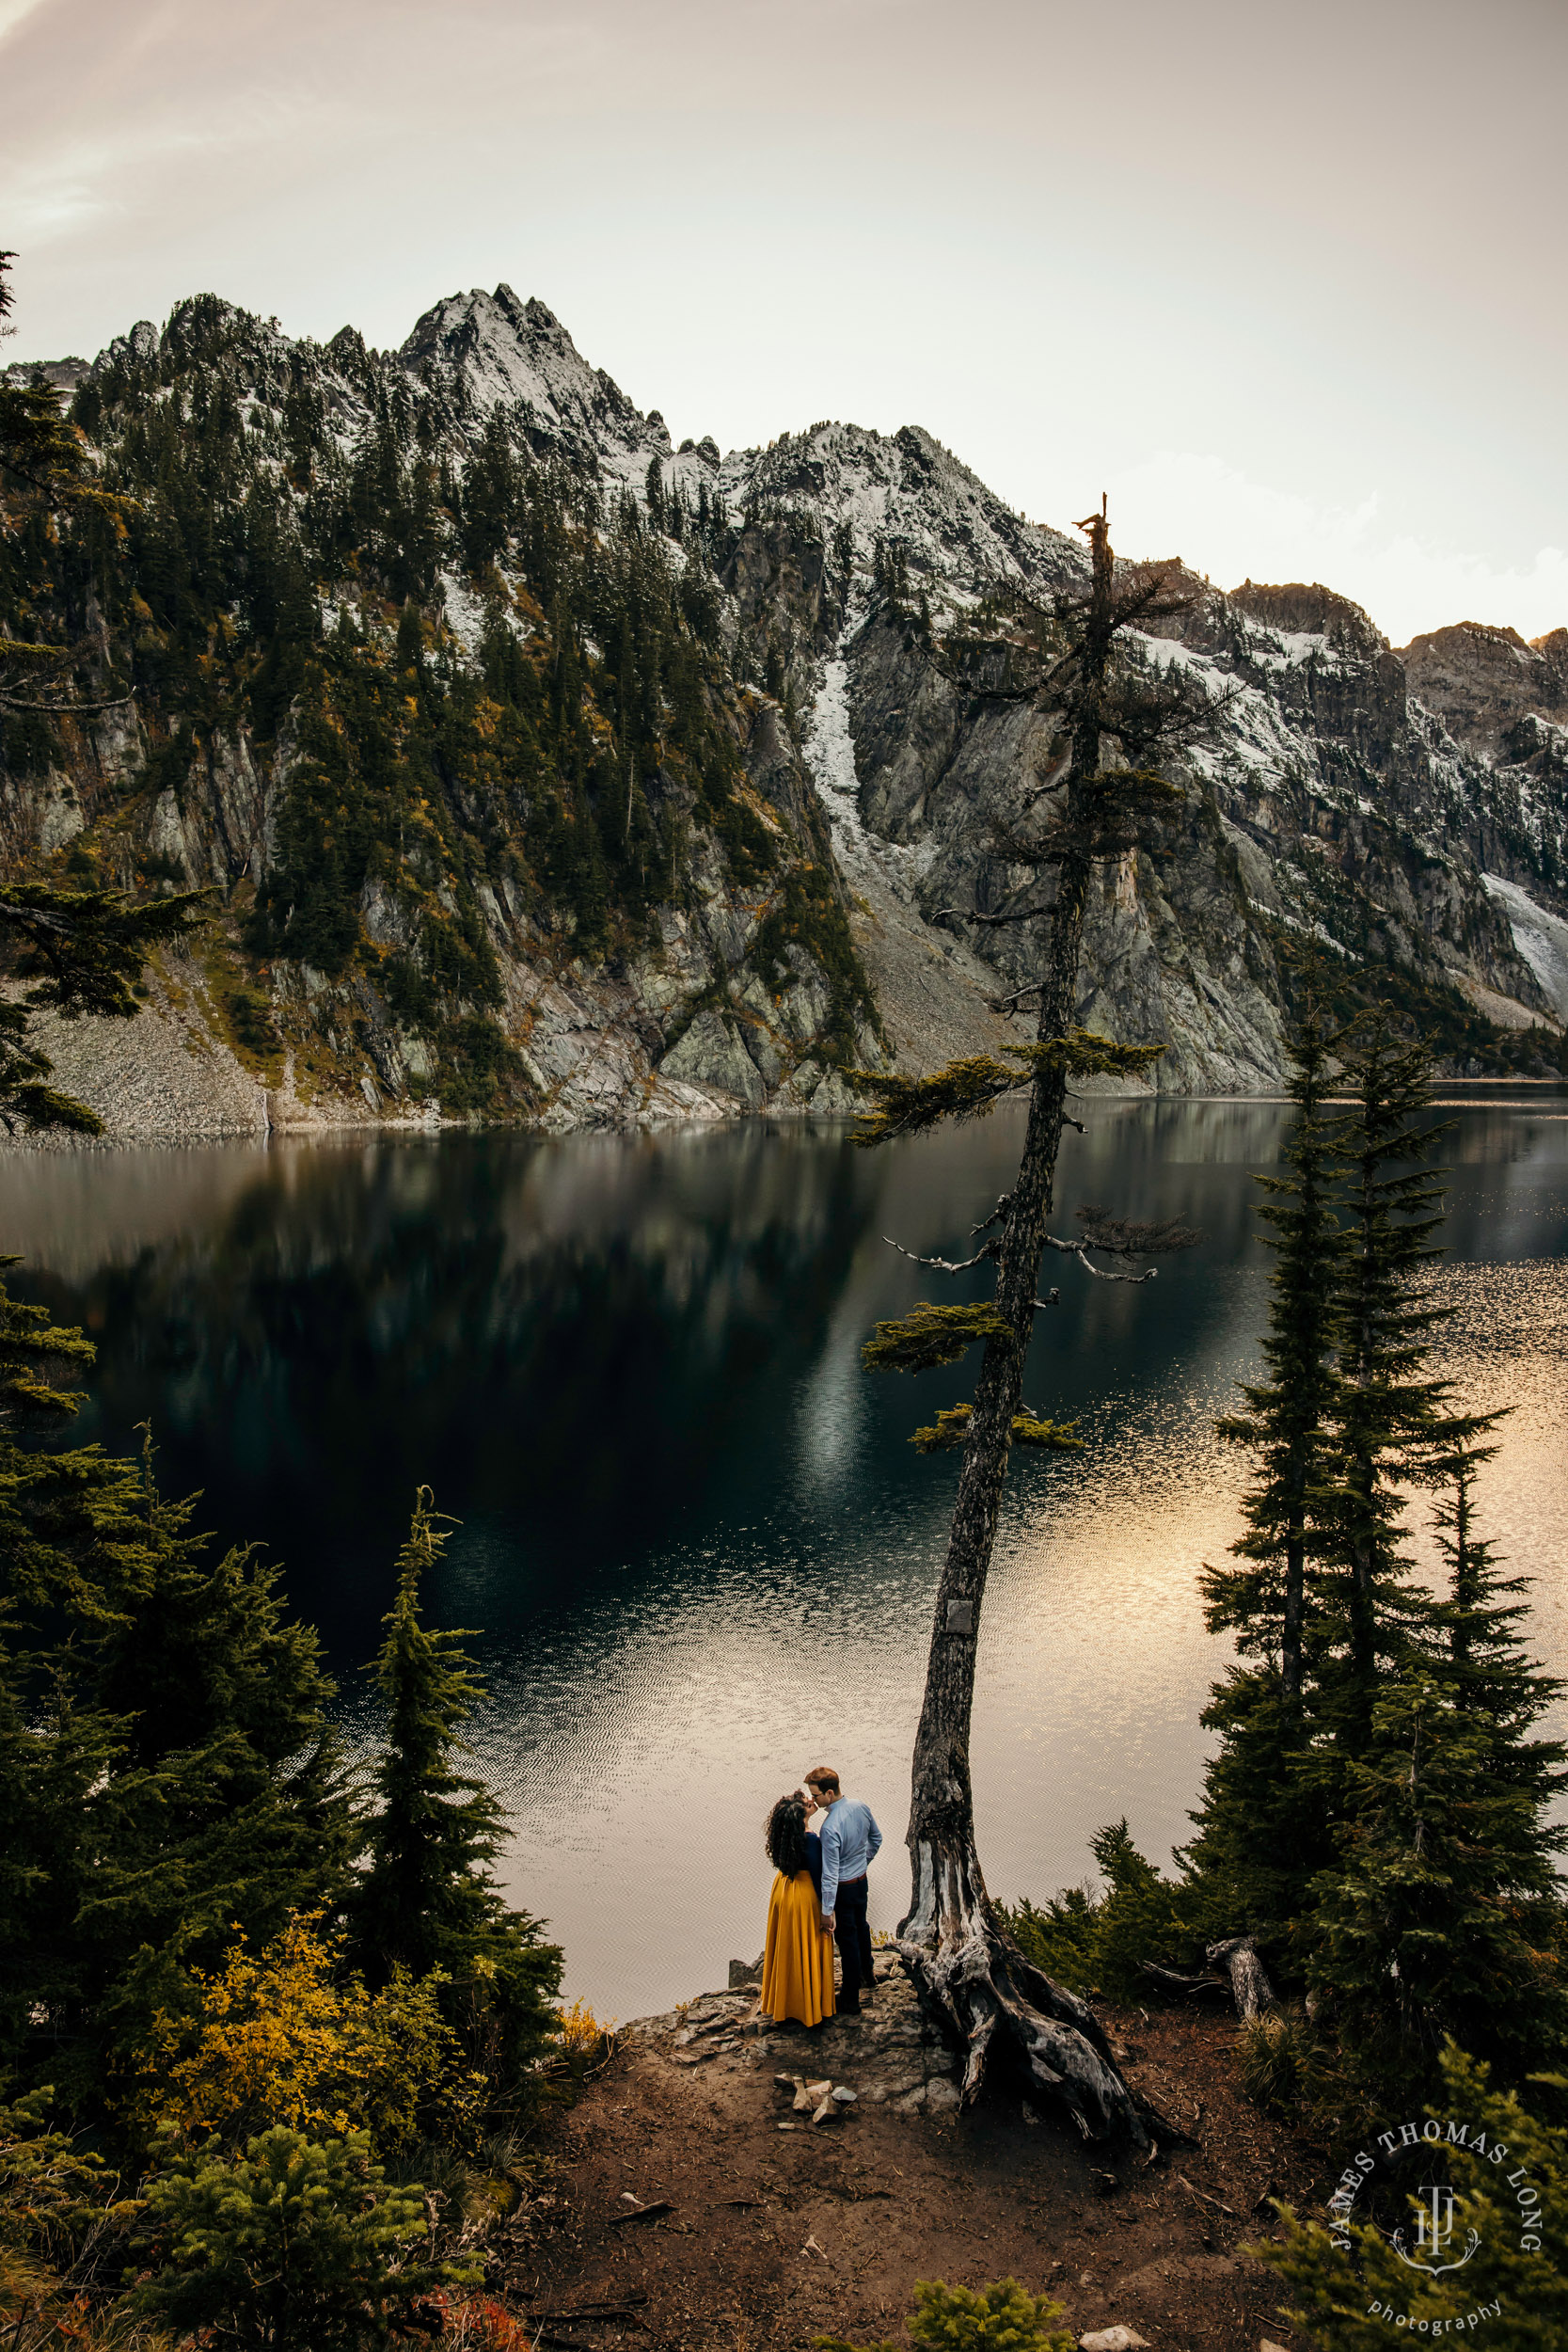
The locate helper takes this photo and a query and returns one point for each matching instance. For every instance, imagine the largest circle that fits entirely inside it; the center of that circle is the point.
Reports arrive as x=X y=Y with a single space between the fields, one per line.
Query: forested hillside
x=441 y=720
x=539 y=769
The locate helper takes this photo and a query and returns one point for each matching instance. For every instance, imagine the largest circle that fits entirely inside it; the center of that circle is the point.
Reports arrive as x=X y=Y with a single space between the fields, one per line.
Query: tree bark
x=968 y=1973
x=1249 y=1981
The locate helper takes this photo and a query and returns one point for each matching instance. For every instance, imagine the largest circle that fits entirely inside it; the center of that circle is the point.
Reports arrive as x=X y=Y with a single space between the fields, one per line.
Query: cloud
x=1293 y=314
x=12 y=12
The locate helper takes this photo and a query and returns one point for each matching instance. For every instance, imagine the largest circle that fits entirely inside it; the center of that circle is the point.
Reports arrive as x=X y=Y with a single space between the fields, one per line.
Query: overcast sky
x=1287 y=281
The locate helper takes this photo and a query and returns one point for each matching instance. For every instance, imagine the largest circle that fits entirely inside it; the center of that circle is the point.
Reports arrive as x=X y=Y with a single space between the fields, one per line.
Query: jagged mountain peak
x=503 y=352
x=908 y=490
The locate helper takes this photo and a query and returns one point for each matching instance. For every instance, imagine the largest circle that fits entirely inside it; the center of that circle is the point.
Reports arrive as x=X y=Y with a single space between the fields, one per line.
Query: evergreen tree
x=161 y=1729
x=1116 y=721
x=1442 y=1915
x=1262 y=1832
x=241 y=1812
x=427 y=1900
x=1389 y=1414
x=1446 y=1889
x=58 y=1765
x=1487 y=1665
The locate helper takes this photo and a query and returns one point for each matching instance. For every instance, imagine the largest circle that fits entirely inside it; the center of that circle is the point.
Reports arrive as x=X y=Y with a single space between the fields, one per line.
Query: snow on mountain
x=497 y=352
x=1408 y=809
x=1540 y=937
x=914 y=495
x=1351 y=795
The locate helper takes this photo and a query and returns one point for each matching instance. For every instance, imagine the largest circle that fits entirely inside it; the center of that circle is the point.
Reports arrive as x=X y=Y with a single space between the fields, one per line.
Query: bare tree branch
x=1106 y=1274
x=943 y=1265
x=1003 y=1203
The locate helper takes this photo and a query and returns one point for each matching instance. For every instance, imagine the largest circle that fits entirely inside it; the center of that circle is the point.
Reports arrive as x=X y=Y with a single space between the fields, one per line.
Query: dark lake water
x=697 y=1548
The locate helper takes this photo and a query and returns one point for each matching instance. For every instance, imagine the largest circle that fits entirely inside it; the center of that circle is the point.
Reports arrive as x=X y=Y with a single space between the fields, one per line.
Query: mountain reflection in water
x=697 y=1546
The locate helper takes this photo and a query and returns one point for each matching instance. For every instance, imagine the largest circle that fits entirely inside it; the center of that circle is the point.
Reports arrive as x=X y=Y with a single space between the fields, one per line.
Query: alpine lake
x=695 y=1544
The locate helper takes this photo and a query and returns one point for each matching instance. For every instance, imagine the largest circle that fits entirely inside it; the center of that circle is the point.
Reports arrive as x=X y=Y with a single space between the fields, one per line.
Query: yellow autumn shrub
x=285 y=2036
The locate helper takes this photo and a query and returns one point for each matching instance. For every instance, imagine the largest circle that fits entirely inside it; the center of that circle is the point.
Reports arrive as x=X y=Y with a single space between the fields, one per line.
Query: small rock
x=1117 y=2339
x=809 y=2095
x=845 y=2096
x=787 y=2128
x=788 y=2082
x=1267 y=2343
x=825 y=2112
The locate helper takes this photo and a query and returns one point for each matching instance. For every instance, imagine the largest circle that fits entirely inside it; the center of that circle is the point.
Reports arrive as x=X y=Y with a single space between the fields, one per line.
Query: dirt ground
x=771 y=2231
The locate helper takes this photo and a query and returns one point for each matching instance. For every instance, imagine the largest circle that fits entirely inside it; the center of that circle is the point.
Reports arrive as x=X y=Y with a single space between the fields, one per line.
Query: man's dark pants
x=854 y=1939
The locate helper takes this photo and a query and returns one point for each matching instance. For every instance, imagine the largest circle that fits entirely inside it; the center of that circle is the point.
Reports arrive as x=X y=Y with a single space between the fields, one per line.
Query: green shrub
x=1351 y=2291
x=1099 y=1942
x=297 y=2242
x=1002 y=2317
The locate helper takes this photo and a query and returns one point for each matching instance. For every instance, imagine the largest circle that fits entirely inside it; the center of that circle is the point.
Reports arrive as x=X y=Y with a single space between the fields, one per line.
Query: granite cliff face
x=542 y=769
x=1348 y=797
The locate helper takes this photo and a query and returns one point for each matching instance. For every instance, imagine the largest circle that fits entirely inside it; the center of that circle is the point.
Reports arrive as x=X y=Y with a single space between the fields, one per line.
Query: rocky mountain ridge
x=542 y=769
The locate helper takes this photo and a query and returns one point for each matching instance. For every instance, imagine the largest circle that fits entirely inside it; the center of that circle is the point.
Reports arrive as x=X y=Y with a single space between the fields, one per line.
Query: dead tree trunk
x=1249 y=1982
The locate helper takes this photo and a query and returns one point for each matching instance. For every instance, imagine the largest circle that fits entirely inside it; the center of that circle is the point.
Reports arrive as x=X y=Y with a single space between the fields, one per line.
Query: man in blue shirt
x=851 y=1843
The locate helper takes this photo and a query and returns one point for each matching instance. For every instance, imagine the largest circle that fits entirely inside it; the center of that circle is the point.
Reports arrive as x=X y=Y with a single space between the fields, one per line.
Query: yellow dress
x=797 y=1958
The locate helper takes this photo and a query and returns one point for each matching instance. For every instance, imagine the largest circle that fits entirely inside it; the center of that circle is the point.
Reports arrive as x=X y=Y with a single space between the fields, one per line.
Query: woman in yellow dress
x=797 y=1958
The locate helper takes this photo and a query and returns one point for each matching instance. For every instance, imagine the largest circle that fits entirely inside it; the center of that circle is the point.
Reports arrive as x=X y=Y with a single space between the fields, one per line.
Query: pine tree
x=1491 y=1675
x=162 y=1730
x=298 y=2242
x=1262 y=1832
x=1388 y=1413
x=1442 y=1915
x=1346 y=2282
x=58 y=1766
x=427 y=1900
x=1116 y=719
x=1441 y=1912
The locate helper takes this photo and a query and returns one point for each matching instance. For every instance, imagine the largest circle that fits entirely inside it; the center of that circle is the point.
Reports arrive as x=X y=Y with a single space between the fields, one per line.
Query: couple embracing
x=820 y=1893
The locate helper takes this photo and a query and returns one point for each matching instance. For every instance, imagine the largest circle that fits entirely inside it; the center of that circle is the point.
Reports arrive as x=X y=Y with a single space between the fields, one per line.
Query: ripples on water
x=698 y=1547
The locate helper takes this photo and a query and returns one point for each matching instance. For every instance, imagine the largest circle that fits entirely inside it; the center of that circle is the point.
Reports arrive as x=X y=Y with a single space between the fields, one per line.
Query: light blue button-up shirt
x=851 y=1843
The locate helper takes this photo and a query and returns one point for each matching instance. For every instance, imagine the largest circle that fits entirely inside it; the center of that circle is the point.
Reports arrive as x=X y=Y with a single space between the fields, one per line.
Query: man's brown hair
x=822 y=1776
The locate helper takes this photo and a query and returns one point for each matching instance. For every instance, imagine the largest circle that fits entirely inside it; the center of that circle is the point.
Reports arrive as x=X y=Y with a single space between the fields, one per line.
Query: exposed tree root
x=976 y=1983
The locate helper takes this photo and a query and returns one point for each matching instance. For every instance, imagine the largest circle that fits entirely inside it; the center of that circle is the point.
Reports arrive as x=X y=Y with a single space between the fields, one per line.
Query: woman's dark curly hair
x=785 y=1834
